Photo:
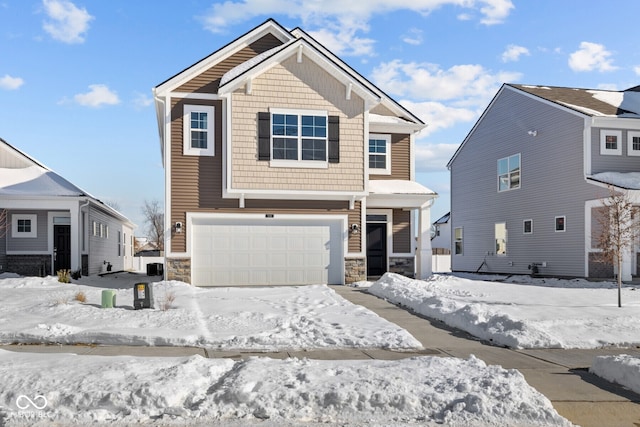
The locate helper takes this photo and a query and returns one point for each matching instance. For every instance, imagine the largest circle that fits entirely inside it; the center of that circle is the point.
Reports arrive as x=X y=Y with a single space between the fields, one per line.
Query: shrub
x=81 y=296
x=64 y=276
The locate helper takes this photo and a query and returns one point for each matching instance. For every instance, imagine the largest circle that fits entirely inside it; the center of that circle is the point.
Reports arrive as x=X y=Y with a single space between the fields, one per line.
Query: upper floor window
x=199 y=130
x=561 y=223
x=509 y=173
x=380 y=154
x=633 y=143
x=24 y=226
x=298 y=138
x=610 y=142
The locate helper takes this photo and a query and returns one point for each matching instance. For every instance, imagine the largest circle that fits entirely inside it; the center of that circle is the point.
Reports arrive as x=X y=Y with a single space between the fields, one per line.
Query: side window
x=457 y=241
x=611 y=142
x=501 y=238
x=198 y=130
x=509 y=173
x=380 y=154
x=527 y=226
x=561 y=223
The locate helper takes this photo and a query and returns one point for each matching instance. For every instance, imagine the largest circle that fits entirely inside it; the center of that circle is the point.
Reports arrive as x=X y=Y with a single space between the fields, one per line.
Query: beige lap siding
x=297 y=86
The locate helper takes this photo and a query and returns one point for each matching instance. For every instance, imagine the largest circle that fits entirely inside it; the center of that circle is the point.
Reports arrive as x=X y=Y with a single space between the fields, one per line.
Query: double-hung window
x=509 y=173
x=501 y=238
x=379 y=154
x=610 y=142
x=299 y=137
x=198 y=130
x=457 y=241
x=633 y=143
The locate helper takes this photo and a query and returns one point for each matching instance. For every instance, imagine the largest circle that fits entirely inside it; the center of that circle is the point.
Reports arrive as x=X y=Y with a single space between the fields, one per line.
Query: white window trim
x=564 y=222
x=461 y=241
x=630 y=135
x=387 y=169
x=309 y=164
x=22 y=235
x=523 y=229
x=186 y=121
x=508 y=174
x=506 y=238
x=603 y=142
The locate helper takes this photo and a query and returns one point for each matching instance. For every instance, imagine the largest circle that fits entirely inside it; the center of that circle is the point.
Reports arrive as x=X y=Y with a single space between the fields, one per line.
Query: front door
x=61 y=247
x=376 y=249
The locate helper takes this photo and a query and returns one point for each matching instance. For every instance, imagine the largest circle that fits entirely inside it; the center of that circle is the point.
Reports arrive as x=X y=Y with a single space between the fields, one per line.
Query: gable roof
x=586 y=102
x=593 y=102
x=30 y=178
x=295 y=37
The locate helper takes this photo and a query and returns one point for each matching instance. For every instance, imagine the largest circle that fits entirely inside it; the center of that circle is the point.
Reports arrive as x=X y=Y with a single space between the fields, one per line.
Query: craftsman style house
x=48 y=224
x=285 y=166
x=529 y=180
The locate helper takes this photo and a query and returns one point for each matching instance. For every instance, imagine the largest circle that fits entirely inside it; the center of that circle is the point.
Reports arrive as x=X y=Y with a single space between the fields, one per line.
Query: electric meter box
x=142 y=295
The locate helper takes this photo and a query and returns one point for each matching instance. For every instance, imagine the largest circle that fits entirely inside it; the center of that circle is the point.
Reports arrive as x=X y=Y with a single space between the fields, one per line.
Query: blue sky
x=76 y=76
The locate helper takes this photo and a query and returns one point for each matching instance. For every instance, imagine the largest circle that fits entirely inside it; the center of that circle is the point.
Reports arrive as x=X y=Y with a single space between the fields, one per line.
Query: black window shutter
x=264 y=136
x=334 y=139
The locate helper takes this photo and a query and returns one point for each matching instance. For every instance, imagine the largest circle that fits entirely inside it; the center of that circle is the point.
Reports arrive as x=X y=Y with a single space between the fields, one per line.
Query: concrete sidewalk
x=561 y=375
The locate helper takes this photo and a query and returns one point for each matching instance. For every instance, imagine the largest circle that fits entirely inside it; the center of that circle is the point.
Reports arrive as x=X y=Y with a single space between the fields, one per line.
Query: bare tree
x=154 y=215
x=618 y=231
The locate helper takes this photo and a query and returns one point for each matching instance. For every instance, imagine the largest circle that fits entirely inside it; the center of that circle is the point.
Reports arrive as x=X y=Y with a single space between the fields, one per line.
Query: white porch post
x=423 y=251
x=75 y=237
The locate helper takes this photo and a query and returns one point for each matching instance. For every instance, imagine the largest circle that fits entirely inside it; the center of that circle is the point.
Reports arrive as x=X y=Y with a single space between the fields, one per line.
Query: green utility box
x=108 y=298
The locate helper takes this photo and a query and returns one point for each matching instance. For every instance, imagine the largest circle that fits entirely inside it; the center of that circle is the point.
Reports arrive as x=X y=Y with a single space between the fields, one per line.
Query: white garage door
x=266 y=251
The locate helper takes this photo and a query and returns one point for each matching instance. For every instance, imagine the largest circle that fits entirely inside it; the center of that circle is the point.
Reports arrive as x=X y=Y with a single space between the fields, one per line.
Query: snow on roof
x=397 y=186
x=35 y=181
x=627 y=180
x=377 y=118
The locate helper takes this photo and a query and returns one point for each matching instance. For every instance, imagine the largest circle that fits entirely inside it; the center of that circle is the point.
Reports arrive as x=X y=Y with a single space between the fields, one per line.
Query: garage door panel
x=255 y=252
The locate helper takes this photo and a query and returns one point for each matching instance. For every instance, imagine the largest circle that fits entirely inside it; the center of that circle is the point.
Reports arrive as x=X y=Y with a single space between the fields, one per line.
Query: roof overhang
x=399 y=194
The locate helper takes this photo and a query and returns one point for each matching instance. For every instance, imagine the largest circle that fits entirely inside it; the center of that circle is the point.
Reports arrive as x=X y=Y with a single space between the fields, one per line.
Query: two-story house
x=48 y=224
x=285 y=166
x=529 y=180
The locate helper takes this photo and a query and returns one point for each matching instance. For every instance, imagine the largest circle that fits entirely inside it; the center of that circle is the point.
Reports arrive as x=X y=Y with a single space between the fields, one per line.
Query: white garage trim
x=266 y=249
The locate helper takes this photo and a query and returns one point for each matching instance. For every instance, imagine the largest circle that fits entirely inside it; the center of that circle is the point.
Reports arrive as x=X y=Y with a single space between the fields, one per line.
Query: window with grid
x=509 y=173
x=198 y=130
x=379 y=154
x=299 y=137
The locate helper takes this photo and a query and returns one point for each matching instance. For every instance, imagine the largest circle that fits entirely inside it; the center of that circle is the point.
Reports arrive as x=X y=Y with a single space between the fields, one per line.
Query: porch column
x=423 y=251
x=75 y=237
x=627 y=265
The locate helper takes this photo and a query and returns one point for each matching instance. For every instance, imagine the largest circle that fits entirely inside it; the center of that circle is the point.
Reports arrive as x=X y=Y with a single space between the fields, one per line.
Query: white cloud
x=636 y=69
x=141 y=100
x=338 y=15
x=514 y=52
x=591 y=56
x=433 y=157
x=413 y=37
x=67 y=23
x=97 y=96
x=10 y=83
x=341 y=38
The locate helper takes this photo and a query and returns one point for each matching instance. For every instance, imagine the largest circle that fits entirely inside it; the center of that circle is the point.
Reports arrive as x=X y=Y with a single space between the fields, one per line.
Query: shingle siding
x=552 y=184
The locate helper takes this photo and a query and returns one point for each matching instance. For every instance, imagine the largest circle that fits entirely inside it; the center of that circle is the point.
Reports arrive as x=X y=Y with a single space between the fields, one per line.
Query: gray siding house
x=529 y=178
x=48 y=224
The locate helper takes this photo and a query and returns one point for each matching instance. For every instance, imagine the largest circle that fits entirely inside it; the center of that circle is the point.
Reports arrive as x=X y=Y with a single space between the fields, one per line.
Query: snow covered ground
x=42 y=389
x=622 y=369
x=522 y=312
x=42 y=310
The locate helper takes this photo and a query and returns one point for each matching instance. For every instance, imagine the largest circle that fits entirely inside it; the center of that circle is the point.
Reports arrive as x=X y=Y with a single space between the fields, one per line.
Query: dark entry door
x=61 y=247
x=376 y=249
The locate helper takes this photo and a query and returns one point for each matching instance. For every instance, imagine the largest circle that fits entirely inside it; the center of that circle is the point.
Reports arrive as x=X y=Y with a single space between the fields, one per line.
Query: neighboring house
x=441 y=235
x=52 y=225
x=528 y=180
x=285 y=166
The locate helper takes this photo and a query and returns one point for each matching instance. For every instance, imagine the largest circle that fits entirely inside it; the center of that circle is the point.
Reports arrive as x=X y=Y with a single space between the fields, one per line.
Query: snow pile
x=426 y=391
x=622 y=369
x=537 y=315
x=42 y=310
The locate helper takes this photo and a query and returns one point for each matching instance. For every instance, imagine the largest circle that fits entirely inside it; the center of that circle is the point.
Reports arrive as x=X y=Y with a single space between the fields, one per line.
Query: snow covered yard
x=521 y=312
x=69 y=389
x=622 y=369
x=42 y=310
